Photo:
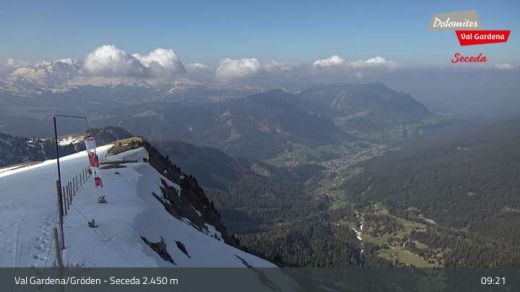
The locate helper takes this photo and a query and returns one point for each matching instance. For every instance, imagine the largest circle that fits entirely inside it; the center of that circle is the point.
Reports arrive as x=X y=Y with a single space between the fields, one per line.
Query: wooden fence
x=73 y=186
x=68 y=193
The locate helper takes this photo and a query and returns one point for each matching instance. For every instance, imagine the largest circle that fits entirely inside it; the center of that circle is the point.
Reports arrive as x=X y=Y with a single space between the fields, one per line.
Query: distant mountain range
x=258 y=125
x=68 y=76
x=17 y=150
x=42 y=77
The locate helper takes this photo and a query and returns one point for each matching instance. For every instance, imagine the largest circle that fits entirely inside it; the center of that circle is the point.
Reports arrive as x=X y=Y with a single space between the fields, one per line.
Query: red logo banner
x=482 y=37
x=93 y=159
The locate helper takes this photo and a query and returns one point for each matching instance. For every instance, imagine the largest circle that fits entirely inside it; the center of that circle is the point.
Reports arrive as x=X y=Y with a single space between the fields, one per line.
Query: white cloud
x=112 y=61
x=334 y=60
x=237 y=68
x=108 y=60
x=504 y=66
x=196 y=66
x=161 y=61
x=161 y=65
x=373 y=62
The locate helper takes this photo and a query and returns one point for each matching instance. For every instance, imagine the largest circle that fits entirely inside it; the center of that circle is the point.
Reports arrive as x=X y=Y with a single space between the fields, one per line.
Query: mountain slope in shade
x=467 y=183
x=363 y=108
x=246 y=192
x=258 y=126
x=269 y=208
x=149 y=201
x=478 y=169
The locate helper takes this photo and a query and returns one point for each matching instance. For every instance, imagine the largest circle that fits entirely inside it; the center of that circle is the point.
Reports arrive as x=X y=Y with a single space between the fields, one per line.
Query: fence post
x=57 y=250
x=66 y=205
x=60 y=214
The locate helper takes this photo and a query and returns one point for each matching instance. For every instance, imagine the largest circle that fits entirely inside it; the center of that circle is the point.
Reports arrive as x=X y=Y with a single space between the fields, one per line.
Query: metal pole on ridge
x=58 y=186
x=58 y=182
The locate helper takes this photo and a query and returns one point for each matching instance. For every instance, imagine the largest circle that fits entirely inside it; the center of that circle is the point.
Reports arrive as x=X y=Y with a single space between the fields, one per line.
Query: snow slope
x=28 y=215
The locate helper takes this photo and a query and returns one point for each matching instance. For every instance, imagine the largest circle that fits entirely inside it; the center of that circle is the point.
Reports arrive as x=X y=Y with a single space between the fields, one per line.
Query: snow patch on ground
x=212 y=231
x=358 y=233
x=70 y=140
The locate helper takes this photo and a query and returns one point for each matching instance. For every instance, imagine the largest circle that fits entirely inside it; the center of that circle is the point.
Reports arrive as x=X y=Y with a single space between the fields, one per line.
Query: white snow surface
x=28 y=215
x=65 y=141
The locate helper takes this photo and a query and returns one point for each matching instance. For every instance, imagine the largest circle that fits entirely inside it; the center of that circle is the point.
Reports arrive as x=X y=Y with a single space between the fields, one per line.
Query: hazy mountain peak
x=46 y=74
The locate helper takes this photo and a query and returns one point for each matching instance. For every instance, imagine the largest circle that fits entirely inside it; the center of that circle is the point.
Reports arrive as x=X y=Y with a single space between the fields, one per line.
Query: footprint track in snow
x=42 y=249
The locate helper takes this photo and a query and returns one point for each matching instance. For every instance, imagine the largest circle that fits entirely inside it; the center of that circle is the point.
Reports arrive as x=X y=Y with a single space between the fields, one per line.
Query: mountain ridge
x=370 y=107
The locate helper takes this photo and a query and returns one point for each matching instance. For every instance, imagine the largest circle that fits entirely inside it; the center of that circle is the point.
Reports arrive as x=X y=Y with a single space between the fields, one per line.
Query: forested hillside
x=468 y=185
x=272 y=210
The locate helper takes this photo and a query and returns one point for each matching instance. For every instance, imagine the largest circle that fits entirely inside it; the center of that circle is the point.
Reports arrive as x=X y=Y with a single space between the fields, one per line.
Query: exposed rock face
x=189 y=201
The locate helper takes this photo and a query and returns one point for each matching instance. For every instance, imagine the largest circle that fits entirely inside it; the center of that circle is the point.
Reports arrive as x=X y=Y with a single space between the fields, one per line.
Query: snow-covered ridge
x=132 y=220
x=70 y=140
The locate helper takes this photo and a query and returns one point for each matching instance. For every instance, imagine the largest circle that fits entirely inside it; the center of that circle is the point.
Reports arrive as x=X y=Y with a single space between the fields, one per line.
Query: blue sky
x=292 y=31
